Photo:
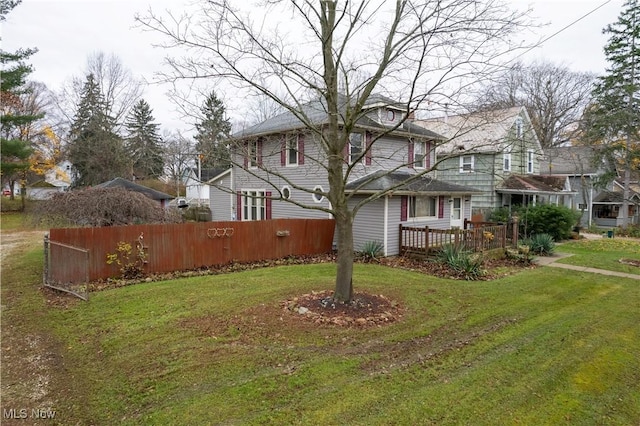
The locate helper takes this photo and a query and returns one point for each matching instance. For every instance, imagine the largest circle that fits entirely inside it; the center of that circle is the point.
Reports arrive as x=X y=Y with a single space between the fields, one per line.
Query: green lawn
x=603 y=253
x=539 y=347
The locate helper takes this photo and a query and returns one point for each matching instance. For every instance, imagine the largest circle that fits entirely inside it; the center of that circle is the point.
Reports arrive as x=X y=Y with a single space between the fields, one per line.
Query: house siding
x=221 y=202
x=489 y=170
x=387 y=153
x=368 y=225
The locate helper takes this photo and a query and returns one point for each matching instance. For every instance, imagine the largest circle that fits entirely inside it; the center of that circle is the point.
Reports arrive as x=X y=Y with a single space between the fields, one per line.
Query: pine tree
x=95 y=150
x=614 y=118
x=213 y=131
x=16 y=148
x=143 y=143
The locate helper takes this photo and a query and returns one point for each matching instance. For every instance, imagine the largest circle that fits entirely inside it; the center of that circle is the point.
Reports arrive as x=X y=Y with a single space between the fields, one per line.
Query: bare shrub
x=103 y=207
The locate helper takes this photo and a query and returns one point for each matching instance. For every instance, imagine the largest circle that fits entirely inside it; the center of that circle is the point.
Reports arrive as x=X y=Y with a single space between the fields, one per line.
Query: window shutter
x=300 y=150
x=246 y=155
x=267 y=202
x=427 y=148
x=239 y=205
x=410 y=159
x=441 y=207
x=259 y=148
x=404 y=201
x=367 y=157
x=283 y=152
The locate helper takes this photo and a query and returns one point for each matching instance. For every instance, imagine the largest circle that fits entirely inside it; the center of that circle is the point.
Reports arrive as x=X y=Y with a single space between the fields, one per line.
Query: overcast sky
x=66 y=32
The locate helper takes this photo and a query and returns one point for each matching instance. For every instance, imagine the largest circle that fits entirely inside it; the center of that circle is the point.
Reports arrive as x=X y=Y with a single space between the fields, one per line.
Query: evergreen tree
x=213 y=131
x=143 y=142
x=613 y=120
x=95 y=150
x=14 y=144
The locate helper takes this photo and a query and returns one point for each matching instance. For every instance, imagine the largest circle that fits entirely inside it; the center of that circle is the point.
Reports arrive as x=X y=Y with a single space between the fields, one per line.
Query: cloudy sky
x=66 y=32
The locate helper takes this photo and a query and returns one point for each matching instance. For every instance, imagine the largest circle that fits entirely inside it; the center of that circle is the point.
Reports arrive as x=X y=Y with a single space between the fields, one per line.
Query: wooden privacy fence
x=477 y=236
x=79 y=255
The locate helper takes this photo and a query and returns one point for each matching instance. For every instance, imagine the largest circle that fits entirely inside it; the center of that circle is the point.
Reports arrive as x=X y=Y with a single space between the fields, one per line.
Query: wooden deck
x=477 y=237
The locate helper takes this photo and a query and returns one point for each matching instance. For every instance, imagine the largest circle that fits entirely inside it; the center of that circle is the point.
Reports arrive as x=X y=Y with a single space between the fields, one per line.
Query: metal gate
x=70 y=263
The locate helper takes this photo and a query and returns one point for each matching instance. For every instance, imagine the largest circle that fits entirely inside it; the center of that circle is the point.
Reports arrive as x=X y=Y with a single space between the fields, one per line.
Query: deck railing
x=477 y=237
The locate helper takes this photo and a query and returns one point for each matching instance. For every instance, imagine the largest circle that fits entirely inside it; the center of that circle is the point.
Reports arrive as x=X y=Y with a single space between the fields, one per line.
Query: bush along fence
x=76 y=256
x=476 y=236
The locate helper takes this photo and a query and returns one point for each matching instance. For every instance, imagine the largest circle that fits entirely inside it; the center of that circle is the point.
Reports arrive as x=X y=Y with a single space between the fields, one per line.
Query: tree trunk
x=344 y=275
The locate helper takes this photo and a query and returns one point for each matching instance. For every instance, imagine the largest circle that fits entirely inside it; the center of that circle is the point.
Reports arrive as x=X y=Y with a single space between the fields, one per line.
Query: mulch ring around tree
x=364 y=309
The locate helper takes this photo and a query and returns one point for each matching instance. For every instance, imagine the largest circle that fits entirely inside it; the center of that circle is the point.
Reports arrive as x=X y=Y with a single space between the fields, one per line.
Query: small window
x=391 y=115
x=530 y=161
x=292 y=150
x=422 y=206
x=355 y=147
x=466 y=164
x=582 y=207
x=519 y=129
x=419 y=155
x=253 y=153
x=506 y=163
x=318 y=194
x=286 y=192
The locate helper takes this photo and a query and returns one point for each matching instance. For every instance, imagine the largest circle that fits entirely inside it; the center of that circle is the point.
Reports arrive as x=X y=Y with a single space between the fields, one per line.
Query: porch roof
x=614 y=197
x=405 y=183
x=535 y=184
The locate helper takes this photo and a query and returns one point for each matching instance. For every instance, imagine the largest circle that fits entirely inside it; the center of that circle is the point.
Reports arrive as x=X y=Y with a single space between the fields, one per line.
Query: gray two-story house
x=498 y=153
x=280 y=172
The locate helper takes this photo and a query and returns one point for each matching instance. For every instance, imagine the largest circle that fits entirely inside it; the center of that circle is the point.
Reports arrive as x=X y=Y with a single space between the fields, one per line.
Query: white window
x=253 y=153
x=286 y=192
x=292 y=150
x=355 y=147
x=318 y=194
x=519 y=129
x=466 y=163
x=253 y=205
x=506 y=161
x=419 y=155
x=530 y=161
x=422 y=206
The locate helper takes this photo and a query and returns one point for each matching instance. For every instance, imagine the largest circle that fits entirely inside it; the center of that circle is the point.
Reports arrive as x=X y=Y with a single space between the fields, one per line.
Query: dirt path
x=28 y=354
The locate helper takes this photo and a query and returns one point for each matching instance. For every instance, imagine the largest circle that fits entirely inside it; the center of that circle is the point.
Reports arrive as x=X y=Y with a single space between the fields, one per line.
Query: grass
x=603 y=253
x=538 y=347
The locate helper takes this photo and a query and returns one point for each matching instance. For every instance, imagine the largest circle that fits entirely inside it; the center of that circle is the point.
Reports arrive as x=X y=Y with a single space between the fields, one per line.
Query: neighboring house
x=579 y=165
x=198 y=190
x=498 y=153
x=396 y=151
x=60 y=175
x=159 y=196
x=42 y=190
x=607 y=204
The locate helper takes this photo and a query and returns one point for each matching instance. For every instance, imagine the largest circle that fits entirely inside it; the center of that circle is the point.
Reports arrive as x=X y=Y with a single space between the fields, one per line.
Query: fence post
x=400 y=240
x=426 y=240
x=45 y=271
x=514 y=233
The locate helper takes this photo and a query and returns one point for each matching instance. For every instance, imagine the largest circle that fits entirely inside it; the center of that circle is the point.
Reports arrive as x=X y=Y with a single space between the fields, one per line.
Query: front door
x=456 y=213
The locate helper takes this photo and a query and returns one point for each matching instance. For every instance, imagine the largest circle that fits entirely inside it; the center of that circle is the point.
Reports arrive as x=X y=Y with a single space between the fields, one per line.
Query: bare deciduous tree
x=554 y=96
x=119 y=88
x=179 y=156
x=332 y=51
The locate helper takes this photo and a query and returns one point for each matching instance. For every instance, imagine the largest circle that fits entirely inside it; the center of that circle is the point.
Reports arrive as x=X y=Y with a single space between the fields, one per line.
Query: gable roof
x=570 y=160
x=383 y=180
x=481 y=132
x=208 y=174
x=316 y=113
x=131 y=186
